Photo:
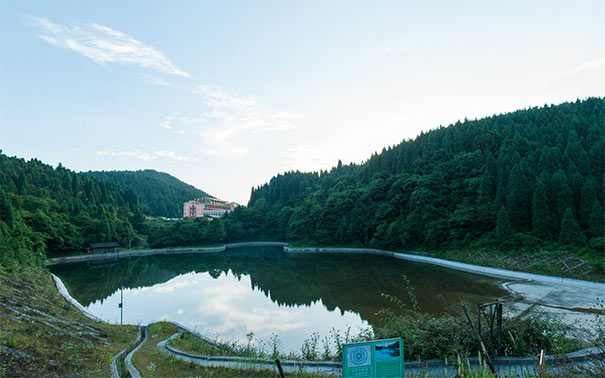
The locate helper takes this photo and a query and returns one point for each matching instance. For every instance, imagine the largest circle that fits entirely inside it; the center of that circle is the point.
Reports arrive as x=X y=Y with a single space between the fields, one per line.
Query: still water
x=267 y=291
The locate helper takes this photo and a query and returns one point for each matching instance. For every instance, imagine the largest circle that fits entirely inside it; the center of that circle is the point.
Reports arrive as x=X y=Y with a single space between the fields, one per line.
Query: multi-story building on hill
x=207 y=207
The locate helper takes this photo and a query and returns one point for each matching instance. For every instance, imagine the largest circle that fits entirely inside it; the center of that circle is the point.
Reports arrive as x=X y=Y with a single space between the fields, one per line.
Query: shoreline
x=571 y=300
x=505 y=365
x=466 y=267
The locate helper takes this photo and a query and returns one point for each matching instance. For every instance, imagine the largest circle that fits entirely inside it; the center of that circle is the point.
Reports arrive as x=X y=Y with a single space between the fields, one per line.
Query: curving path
x=120 y=355
x=510 y=366
x=132 y=370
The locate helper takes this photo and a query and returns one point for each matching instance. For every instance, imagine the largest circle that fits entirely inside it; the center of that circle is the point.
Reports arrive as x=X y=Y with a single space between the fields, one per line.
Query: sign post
x=373 y=359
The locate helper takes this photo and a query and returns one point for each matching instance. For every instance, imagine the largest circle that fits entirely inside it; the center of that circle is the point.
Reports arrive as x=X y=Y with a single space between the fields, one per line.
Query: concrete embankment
x=575 y=302
x=478 y=269
x=159 y=251
x=256 y=244
x=570 y=300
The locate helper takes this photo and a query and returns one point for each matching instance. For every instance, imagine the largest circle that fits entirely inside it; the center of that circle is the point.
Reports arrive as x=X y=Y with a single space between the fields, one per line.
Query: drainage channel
x=132 y=370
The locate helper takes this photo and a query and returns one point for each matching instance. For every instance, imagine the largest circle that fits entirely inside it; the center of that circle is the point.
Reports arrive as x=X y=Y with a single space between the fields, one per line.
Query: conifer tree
x=570 y=230
x=587 y=198
x=504 y=230
x=597 y=220
x=562 y=198
x=541 y=219
x=518 y=198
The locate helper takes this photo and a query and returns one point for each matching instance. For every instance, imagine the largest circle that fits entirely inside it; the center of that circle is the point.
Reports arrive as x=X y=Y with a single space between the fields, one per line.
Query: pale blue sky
x=226 y=94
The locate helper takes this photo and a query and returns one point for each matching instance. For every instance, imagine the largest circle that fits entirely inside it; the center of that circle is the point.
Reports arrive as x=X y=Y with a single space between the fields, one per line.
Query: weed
x=309 y=348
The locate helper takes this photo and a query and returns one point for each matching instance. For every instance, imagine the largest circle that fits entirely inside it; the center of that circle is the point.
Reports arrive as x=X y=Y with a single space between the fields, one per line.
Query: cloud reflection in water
x=227 y=307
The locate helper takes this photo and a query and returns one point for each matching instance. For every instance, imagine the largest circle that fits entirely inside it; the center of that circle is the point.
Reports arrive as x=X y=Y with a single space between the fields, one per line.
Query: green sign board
x=373 y=359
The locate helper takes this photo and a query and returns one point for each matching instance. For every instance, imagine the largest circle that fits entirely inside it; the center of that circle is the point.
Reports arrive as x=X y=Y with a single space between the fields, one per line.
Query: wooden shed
x=102 y=247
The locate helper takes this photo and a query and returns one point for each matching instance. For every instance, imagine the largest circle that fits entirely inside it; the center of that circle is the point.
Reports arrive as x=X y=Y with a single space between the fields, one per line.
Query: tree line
x=160 y=194
x=45 y=209
x=530 y=178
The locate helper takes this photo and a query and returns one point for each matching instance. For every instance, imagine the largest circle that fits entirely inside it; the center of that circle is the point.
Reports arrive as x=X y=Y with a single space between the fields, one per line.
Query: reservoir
x=269 y=292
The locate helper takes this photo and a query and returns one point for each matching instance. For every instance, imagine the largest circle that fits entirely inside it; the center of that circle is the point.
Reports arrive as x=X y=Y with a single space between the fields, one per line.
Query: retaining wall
x=478 y=269
x=159 y=251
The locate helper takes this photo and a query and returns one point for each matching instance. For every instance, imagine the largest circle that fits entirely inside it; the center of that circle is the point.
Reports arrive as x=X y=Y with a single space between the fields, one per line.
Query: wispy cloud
x=227 y=118
x=308 y=155
x=392 y=49
x=591 y=65
x=148 y=156
x=157 y=81
x=103 y=45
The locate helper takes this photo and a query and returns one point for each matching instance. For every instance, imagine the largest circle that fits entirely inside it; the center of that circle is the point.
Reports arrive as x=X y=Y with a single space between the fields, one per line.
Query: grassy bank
x=548 y=262
x=153 y=363
x=41 y=334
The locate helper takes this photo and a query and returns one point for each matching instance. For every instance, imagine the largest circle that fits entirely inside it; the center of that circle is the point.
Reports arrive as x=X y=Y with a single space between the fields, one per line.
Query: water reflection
x=266 y=291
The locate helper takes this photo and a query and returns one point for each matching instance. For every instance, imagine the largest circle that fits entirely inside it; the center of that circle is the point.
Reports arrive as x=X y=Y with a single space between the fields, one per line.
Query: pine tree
x=7 y=212
x=570 y=230
x=518 y=198
x=597 y=220
x=504 y=230
x=541 y=219
x=587 y=198
x=561 y=196
x=21 y=183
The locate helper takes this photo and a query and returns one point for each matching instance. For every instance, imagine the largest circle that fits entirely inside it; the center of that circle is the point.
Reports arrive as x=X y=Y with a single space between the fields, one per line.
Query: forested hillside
x=54 y=209
x=159 y=192
x=530 y=177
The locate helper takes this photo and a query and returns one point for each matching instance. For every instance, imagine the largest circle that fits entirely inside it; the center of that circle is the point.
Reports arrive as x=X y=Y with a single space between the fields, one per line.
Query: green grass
x=41 y=334
x=190 y=343
x=153 y=363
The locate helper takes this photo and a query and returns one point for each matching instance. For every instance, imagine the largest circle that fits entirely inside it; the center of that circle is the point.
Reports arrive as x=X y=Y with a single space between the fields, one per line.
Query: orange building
x=207 y=207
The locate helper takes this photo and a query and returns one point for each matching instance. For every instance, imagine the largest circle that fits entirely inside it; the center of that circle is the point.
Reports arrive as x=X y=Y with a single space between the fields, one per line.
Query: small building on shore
x=207 y=207
x=102 y=247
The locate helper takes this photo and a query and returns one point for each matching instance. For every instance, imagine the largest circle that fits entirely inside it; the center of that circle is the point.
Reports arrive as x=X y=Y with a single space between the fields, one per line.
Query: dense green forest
x=160 y=193
x=46 y=209
x=533 y=177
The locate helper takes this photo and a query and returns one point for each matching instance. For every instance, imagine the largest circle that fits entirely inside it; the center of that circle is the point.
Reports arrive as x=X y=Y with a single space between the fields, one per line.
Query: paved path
x=114 y=361
x=511 y=366
x=132 y=370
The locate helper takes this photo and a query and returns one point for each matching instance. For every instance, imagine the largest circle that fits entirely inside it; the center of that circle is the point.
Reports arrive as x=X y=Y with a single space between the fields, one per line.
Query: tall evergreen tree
x=587 y=198
x=541 y=219
x=504 y=230
x=597 y=220
x=518 y=198
x=562 y=198
x=570 y=230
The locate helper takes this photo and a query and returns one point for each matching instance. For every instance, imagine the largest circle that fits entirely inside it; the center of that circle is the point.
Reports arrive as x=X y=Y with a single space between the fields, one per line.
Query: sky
x=226 y=94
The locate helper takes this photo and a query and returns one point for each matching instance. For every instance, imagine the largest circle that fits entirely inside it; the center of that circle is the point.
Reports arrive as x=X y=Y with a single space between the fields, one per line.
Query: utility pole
x=121 y=304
